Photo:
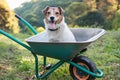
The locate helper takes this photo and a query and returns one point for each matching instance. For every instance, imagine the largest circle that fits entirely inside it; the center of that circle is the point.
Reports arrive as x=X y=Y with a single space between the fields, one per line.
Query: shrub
x=116 y=21
x=40 y=29
x=91 y=18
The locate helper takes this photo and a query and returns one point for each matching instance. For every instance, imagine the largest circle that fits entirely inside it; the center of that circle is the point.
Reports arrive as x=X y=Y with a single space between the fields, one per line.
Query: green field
x=17 y=63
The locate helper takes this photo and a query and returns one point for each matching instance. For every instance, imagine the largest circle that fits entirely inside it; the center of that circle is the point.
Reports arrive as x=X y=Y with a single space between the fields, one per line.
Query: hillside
x=93 y=13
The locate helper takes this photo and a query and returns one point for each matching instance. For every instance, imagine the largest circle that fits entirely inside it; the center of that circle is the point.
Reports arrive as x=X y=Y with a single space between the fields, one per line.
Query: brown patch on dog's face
x=53 y=14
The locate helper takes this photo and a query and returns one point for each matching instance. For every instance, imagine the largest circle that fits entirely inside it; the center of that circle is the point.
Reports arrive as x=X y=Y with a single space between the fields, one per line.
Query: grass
x=17 y=63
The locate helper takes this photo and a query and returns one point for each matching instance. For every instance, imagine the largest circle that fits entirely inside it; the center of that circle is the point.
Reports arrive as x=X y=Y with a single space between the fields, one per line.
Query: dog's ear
x=61 y=10
x=44 y=11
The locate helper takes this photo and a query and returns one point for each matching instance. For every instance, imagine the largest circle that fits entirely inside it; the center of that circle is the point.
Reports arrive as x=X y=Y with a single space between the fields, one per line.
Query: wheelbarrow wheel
x=80 y=75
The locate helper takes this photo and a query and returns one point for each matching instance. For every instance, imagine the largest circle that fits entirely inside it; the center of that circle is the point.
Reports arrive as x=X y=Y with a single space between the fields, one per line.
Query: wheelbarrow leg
x=58 y=64
x=44 y=61
x=36 y=66
x=44 y=76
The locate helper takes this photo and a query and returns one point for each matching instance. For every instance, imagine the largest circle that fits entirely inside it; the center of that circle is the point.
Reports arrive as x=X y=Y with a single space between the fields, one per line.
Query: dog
x=55 y=26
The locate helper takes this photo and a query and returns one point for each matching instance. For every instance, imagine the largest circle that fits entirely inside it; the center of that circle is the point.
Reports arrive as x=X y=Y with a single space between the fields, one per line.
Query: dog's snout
x=52 y=18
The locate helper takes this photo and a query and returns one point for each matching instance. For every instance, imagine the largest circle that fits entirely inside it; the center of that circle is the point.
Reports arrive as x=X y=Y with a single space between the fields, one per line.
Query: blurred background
x=16 y=63
x=79 y=13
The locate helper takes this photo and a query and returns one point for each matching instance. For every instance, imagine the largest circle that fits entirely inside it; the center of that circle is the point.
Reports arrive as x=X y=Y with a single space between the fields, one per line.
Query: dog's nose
x=52 y=18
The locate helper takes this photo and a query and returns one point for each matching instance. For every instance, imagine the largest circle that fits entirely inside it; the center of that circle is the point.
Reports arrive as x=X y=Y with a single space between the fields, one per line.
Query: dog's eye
x=57 y=13
x=48 y=12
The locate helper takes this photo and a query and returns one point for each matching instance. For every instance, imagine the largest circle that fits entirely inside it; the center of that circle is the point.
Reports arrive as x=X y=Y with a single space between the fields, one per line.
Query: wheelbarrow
x=81 y=67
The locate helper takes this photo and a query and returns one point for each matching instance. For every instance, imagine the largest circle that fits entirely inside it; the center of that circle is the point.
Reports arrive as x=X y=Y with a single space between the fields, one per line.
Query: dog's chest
x=56 y=35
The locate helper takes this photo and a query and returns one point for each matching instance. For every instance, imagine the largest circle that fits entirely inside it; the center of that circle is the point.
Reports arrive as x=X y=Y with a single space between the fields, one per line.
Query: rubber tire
x=88 y=62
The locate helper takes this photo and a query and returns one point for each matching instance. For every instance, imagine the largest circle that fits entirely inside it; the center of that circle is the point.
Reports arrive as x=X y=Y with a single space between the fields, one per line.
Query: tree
x=116 y=21
x=107 y=7
x=8 y=22
x=75 y=10
x=91 y=18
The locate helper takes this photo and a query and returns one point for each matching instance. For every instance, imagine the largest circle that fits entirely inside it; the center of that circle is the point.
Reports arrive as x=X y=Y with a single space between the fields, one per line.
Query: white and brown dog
x=56 y=28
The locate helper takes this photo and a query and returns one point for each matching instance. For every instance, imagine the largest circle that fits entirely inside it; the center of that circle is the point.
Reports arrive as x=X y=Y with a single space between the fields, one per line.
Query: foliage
x=107 y=7
x=91 y=18
x=117 y=36
x=77 y=12
x=17 y=63
x=40 y=29
x=116 y=21
x=7 y=18
x=74 y=11
x=32 y=11
x=108 y=25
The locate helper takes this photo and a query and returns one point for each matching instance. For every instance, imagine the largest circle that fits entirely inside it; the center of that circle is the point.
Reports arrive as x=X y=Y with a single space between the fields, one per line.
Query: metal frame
x=58 y=64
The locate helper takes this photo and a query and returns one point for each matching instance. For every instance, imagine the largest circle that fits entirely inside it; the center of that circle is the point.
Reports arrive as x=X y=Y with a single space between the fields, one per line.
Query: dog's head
x=53 y=15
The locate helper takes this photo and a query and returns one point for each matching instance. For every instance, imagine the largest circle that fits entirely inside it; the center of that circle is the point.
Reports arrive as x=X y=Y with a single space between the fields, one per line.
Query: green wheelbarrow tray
x=64 y=50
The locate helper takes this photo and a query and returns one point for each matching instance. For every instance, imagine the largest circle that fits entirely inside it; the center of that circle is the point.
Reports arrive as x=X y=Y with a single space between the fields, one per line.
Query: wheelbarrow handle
x=15 y=39
x=31 y=28
x=27 y=24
